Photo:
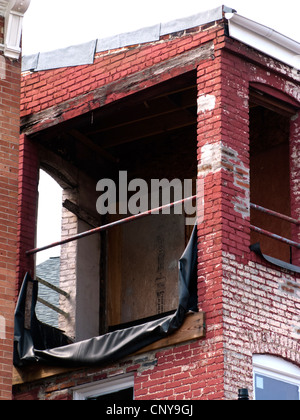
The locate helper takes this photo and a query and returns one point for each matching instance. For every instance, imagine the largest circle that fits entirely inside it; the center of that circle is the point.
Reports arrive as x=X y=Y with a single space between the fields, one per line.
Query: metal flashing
x=30 y=62
x=243 y=29
x=76 y=55
x=67 y=57
x=141 y=36
x=192 y=21
x=82 y=54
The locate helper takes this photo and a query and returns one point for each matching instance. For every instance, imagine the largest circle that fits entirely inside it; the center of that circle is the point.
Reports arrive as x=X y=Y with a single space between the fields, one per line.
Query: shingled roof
x=49 y=271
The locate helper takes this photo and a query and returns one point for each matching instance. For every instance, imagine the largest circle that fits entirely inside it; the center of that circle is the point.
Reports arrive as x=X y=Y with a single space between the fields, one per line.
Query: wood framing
x=116 y=90
x=192 y=329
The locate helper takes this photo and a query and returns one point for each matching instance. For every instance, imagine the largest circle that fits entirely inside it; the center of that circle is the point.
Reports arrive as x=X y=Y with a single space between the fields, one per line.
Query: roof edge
x=264 y=39
x=58 y=58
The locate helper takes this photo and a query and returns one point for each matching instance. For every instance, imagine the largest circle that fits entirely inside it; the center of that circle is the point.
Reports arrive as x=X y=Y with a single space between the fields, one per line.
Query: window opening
x=49 y=215
x=270 y=175
x=123 y=395
x=48 y=262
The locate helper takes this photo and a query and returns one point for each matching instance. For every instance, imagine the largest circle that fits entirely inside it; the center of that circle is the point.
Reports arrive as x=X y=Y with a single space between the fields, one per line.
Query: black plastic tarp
x=41 y=343
x=279 y=263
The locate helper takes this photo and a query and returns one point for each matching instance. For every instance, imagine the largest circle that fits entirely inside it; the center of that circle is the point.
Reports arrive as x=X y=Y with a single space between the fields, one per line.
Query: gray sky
x=53 y=24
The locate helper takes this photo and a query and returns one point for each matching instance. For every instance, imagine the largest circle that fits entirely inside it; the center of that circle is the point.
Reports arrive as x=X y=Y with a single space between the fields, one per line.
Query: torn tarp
x=40 y=343
x=30 y=333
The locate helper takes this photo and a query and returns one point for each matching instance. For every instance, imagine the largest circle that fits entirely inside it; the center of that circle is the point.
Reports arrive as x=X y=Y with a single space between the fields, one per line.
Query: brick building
x=11 y=14
x=215 y=99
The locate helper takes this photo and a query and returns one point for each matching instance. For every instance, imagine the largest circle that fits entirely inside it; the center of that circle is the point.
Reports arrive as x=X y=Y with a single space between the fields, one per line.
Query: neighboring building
x=11 y=14
x=213 y=98
x=48 y=272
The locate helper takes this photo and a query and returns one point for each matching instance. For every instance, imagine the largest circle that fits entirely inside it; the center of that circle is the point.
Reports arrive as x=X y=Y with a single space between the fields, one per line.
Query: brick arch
x=279 y=356
x=278 y=94
x=269 y=343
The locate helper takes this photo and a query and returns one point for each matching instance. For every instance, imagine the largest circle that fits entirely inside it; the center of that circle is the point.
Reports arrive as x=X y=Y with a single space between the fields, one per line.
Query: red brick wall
x=27 y=206
x=261 y=316
x=251 y=307
x=43 y=90
x=9 y=148
x=184 y=372
x=261 y=303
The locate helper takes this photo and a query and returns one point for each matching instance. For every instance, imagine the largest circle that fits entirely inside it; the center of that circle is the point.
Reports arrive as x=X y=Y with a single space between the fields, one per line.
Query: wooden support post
x=81 y=214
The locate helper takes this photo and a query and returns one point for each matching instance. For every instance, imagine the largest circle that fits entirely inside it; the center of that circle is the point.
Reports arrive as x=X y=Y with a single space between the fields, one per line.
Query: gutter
x=264 y=39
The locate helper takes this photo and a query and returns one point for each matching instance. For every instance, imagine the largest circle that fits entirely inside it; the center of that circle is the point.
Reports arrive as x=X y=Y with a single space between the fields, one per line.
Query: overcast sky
x=53 y=24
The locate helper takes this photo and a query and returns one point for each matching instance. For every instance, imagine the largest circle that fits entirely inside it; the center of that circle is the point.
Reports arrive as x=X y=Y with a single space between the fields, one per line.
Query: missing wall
x=129 y=272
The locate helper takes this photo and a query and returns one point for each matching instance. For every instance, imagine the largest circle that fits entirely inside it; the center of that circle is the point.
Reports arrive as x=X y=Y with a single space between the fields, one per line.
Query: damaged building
x=152 y=306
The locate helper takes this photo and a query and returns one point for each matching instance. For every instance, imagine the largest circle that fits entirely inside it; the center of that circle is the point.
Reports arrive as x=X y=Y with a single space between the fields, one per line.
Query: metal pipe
x=274 y=236
x=275 y=214
x=108 y=226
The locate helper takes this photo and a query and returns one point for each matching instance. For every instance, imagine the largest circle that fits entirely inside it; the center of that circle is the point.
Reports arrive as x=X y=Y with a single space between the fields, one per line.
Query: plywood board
x=143 y=267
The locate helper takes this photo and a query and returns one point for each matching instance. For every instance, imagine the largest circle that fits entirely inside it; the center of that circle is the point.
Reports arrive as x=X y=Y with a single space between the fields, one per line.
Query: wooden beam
x=148 y=128
x=53 y=307
x=149 y=109
x=63 y=181
x=192 y=329
x=273 y=104
x=81 y=214
x=36 y=372
x=51 y=286
x=122 y=88
x=103 y=275
x=90 y=144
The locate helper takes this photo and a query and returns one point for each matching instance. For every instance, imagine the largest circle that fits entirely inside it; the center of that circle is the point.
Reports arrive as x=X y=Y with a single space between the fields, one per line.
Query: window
x=275 y=379
x=270 y=172
x=119 y=389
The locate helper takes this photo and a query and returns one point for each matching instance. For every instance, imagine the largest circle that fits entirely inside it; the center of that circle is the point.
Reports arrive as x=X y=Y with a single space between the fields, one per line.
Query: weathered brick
x=245 y=299
x=9 y=141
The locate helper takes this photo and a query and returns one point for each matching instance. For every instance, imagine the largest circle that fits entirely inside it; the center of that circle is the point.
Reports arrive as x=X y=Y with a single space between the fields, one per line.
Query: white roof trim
x=245 y=30
x=3 y=7
x=264 y=39
x=13 y=11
